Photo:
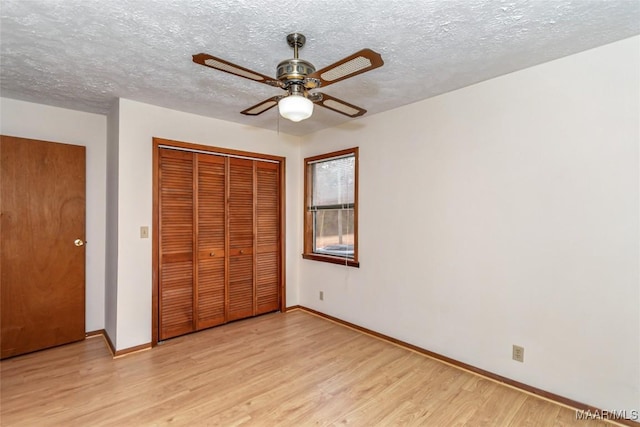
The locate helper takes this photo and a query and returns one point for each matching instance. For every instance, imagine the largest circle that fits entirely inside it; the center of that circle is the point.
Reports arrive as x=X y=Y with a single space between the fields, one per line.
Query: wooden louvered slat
x=268 y=237
x=267 y=205
x=211 y=202
x=210 y=292
x=240 y=204
x=175 y=243
x=176 y=202
x=211 y=241
x=241 y=298
x=267 y=283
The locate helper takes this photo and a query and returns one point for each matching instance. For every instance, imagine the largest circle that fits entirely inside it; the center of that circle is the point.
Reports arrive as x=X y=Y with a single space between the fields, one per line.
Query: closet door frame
x=207 y=149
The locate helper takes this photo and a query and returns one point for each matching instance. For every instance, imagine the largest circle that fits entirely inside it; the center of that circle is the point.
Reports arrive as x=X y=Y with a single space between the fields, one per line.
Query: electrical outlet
x=518 y=353
x=144 y=232
x=321 y=296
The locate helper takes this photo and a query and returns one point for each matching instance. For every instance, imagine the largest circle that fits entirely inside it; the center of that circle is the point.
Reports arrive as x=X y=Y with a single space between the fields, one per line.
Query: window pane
x=334 y=182
x=334 y=232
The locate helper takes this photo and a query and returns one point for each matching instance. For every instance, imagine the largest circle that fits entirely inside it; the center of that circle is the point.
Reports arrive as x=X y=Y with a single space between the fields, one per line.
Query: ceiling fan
x=298 y=77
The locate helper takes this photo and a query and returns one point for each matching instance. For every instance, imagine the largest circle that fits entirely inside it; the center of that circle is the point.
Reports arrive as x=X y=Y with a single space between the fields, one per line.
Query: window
x=331 y=208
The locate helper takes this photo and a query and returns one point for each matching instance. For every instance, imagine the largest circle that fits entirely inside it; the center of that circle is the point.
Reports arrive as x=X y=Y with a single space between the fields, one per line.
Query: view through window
x=331 y=207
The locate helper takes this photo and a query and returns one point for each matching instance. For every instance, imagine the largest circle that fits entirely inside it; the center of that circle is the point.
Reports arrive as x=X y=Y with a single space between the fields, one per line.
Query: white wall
x=35 y=121
x=139 y=123
x=504 y=213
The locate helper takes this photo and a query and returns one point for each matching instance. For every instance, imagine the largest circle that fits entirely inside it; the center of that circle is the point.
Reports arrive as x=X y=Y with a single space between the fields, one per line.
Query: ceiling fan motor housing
x=294 y=69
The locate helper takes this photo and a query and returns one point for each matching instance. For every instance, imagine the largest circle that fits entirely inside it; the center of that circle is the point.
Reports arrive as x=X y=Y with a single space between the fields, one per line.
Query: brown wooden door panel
x=210 y=306
x=226 y=210
x=42 y=270
x=241 y=294
x=176 y=243
x=268 y=237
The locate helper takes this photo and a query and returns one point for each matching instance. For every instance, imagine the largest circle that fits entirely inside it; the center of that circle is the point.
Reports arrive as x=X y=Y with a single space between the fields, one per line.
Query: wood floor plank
x=536 y=412
x=500 y=409
x=292 y=369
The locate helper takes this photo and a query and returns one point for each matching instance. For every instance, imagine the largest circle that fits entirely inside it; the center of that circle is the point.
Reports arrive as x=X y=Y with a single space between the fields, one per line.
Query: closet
x=219 y=252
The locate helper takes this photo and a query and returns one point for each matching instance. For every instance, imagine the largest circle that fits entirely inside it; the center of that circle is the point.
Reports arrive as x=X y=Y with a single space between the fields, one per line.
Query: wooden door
x=219 y=252
x=211 y=220
x=267 y=237
x=240 y=296
x=176 y=243
x=42 y=264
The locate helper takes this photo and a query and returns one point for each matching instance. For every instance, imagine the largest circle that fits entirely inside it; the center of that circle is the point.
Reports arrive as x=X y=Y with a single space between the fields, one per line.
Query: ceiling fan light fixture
x=295 y=107
x=298 y=78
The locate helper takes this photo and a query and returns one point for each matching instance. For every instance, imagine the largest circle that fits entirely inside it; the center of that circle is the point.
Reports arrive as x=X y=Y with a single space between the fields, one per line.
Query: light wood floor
x=292 y=369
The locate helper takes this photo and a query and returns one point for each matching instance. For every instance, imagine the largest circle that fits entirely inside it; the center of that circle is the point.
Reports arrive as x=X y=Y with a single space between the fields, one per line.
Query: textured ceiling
x=84 y=54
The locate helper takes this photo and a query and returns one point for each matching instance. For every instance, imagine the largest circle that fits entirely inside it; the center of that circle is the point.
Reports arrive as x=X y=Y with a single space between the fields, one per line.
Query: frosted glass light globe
x=295 y=108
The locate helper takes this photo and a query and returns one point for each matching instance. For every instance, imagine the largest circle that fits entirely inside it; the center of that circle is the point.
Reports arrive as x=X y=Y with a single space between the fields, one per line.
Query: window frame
x=308 y=252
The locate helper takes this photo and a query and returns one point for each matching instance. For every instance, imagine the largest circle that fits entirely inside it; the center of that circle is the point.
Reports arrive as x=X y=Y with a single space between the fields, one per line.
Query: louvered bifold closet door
x=268 y=237
x=241 y=227
x=211 y=219
x=175 y=243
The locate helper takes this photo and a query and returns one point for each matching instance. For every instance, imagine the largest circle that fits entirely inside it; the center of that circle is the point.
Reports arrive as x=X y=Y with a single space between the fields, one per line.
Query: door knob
x=78 y=242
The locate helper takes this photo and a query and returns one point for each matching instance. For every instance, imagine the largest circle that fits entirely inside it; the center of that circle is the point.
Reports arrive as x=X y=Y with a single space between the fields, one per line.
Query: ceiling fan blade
x=236 y=70
x=359 y=62
x=340 y=106
x=262 y=106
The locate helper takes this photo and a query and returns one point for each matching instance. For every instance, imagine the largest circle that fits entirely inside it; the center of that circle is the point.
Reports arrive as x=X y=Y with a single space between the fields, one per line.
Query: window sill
x=332 y=260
